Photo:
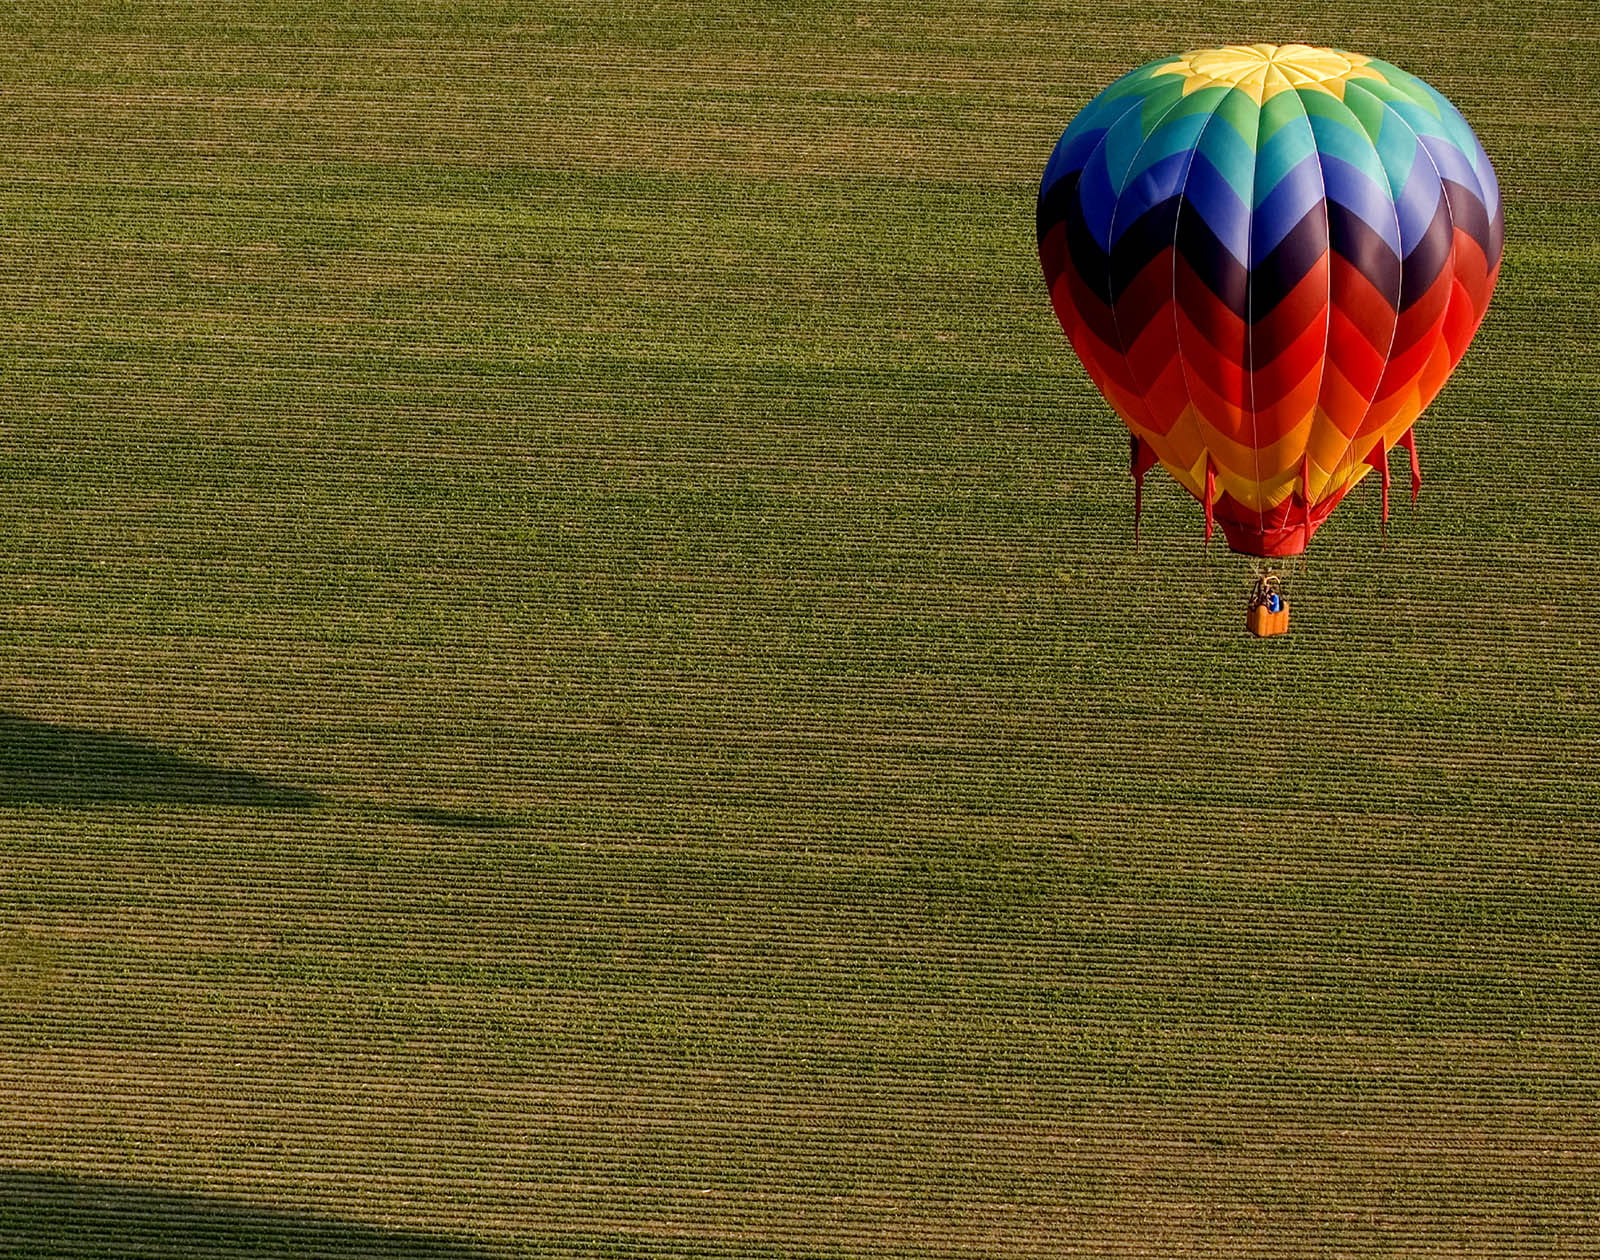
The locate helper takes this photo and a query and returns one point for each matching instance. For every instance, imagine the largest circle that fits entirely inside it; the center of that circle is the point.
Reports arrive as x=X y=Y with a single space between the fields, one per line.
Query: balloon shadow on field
x=45 y=764
x=42 y=763
x=52 y=1216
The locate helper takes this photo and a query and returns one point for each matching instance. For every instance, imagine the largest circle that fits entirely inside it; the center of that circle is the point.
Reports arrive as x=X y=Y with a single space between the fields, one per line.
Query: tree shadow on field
x=45 y=764
x=50 y=1216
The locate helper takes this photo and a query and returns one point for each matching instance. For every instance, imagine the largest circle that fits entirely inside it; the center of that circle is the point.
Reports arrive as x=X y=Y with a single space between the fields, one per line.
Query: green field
x=576 y=681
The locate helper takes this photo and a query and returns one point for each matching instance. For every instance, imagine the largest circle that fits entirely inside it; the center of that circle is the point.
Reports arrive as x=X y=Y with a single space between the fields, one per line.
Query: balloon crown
x=1261 y=71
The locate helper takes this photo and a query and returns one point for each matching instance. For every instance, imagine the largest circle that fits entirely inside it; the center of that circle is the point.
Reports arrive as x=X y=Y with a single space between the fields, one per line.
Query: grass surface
x=575 y=680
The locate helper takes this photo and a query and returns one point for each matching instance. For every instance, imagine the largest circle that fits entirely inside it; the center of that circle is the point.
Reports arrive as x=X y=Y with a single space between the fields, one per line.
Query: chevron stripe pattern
x=1269 y=259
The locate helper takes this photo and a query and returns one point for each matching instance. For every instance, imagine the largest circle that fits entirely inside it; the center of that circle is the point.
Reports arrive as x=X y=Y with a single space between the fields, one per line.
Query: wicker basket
x=1263 y=623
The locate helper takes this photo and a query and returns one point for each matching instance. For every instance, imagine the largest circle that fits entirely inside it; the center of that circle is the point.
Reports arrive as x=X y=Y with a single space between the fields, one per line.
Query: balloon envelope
x=1269 y=258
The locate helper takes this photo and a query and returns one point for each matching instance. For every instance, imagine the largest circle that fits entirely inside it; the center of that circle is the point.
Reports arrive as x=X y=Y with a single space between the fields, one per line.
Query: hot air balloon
x=1269 y=258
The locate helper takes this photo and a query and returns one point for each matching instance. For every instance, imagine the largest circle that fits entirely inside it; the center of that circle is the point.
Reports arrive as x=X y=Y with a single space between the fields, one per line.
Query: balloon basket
x=1263 y=623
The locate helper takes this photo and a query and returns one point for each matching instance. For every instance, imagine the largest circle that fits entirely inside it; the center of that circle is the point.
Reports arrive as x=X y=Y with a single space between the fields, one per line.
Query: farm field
x=575 y=681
